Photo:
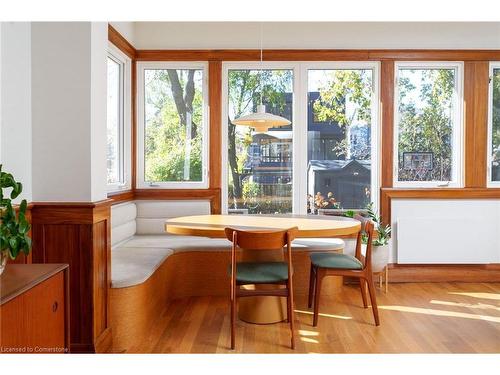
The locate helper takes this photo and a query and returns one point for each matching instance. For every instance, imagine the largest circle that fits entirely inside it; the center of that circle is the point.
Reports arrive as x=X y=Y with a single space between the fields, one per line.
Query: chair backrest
x=261 y=239
x=367 y=227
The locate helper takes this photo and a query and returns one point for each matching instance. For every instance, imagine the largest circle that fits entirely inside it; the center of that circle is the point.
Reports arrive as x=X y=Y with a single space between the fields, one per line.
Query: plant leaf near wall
x=14 y=227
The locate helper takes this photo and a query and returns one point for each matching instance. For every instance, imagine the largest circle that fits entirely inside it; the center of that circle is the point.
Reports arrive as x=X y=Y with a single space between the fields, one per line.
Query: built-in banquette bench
x=150 y=267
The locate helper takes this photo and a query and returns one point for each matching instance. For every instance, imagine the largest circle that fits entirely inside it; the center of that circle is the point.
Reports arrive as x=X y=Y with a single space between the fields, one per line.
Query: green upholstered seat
x=338 y=261
x=260 y=272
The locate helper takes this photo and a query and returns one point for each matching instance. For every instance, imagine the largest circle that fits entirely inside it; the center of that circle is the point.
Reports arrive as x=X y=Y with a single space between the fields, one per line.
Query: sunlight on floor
x=303 y=332
x=482 y=306
x=478 y=295
x=325 y=315
x=309 y=340
x=453 y=314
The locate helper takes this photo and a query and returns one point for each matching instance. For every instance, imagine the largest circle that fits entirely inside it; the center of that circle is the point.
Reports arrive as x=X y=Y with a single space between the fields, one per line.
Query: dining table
x=263 y=309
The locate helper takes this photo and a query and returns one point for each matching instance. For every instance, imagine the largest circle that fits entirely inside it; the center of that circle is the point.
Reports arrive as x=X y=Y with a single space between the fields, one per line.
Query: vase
x=4 y=255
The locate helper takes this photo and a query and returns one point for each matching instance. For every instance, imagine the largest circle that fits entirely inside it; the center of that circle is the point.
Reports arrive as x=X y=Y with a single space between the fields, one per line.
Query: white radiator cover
x=451 y=231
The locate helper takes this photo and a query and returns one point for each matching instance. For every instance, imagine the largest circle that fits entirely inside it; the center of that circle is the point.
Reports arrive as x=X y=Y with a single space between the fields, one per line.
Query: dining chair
x=358 y=266
x=252 y=273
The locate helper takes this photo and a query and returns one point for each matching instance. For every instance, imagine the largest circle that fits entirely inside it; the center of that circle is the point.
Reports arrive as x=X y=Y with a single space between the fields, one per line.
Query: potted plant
x=381 y=244
x=14 y=227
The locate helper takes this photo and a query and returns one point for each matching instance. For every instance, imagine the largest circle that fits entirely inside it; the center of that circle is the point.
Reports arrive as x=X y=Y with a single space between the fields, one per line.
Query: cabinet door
x=34 y=321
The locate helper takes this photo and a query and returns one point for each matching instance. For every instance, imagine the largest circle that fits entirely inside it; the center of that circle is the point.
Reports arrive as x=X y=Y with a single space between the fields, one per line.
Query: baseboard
x=470 y=273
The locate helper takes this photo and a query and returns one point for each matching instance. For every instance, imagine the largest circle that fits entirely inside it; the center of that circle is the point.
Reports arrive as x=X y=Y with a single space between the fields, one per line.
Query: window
x=259 y=165
x=494 y=127
x=172 y=125
x=330 y=147
x=340 y=134
x=118 y=120
x=428 y=124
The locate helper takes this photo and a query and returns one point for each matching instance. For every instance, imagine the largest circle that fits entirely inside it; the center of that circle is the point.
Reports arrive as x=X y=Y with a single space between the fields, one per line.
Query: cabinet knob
x=55 y=306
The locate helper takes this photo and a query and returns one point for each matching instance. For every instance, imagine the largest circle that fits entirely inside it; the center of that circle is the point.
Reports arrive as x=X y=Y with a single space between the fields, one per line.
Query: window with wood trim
x=494 y=127
x=428 y=124
x=172 y=125
x=118 y=122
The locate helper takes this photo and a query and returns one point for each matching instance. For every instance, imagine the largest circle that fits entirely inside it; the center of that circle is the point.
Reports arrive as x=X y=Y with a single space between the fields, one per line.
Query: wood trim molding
x=316 y=55
x=120 y=42
x=215 y=159
x=387 y=118
x=387 y=194
x=476 y=84
x=477 y=273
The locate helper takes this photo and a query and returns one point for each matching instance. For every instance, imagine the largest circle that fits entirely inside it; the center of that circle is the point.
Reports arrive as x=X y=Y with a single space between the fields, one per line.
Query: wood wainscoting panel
x=79 y=234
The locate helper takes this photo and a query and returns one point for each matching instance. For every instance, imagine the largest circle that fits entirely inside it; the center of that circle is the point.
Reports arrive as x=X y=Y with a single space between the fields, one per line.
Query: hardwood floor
x=415 y=318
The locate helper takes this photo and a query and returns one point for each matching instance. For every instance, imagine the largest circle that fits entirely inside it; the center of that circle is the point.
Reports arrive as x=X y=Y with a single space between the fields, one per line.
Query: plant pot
x=380 y=256
x=4 y=255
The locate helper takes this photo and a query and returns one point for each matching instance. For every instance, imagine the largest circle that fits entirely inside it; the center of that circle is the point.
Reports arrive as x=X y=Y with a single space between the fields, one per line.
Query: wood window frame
x=141 y=183
x=457 y=125
x=476 y=73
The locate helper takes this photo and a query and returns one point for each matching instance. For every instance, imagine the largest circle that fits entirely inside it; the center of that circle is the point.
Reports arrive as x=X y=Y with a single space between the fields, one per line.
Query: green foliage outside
x=13 y=228
x=166 y=135
x=345 y=99
x=425 y=121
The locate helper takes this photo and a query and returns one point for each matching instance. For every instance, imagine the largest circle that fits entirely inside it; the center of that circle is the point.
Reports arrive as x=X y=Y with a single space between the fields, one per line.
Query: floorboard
x=415 y=318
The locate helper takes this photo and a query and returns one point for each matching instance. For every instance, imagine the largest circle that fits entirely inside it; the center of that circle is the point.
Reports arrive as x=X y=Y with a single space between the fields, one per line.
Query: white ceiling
x=310 y=35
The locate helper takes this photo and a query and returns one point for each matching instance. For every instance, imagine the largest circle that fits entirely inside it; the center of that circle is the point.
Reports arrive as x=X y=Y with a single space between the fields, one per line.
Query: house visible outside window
x=326 y=151
x=259 y=165
x=118 y=150
x=494 y=127
x=428 y=124
x=172 y=125
x=341 y=107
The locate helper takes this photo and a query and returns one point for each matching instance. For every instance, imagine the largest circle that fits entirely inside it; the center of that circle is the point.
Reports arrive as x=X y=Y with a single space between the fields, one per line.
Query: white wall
x=69 y=117
x=15 y=102
x=310 y=35
x=445 y=231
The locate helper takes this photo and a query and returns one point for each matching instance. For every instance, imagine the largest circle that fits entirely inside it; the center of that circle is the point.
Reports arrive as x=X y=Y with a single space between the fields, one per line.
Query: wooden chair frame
x=365 y=275
x=261 y=241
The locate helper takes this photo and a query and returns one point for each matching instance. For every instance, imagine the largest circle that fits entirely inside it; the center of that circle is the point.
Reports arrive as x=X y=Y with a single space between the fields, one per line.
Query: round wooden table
x=267 y=309
x=308 y=225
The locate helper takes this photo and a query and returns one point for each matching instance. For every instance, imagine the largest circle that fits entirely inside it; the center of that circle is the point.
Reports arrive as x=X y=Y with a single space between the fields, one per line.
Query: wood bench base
x=135 y=309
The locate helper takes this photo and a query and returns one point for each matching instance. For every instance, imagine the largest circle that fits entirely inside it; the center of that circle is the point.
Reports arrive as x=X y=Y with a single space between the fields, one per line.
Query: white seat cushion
x=178 y=243
x=134 y=265
x=193 y=243
x=123 y=225
x=318 y=244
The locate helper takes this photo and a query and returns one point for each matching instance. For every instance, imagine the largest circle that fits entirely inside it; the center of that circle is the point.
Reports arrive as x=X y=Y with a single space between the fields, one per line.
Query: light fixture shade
x=261 y=121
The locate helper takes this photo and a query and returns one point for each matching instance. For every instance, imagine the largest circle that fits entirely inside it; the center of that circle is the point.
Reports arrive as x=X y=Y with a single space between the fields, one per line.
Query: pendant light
x=261 y=121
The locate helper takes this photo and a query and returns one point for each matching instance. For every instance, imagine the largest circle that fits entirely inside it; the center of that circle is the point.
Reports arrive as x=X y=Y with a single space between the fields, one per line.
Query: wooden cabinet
x=34 y=313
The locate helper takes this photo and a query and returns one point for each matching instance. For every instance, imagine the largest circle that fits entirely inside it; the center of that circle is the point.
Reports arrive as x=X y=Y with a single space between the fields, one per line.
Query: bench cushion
x=179 y=243
x=134 y=265
x=123 y=225
x=151 y=215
